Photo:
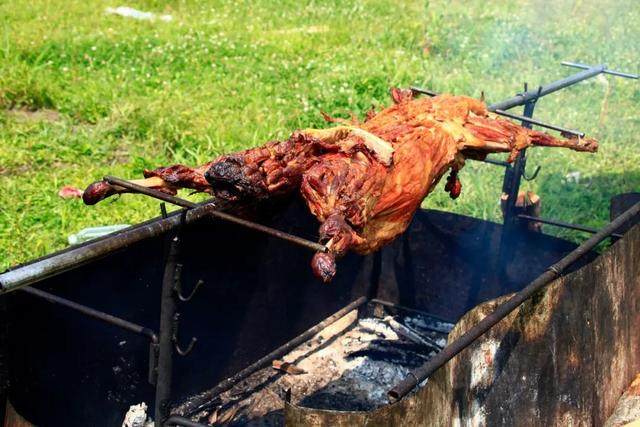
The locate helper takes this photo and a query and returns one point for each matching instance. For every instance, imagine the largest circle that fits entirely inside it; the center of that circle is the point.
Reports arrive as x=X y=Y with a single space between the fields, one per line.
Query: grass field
x=84 y=94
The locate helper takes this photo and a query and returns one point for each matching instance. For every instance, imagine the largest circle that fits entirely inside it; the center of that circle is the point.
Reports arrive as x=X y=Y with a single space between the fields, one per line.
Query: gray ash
x=349 y=366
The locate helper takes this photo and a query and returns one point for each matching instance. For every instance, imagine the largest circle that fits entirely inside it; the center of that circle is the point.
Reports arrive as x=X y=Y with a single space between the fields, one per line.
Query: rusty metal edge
x=14 y=419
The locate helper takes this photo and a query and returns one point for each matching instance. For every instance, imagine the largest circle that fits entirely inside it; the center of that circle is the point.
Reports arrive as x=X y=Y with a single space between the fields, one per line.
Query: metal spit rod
x=425 y=371
x=216 y=213
x=539 y=123
x=532 y=95
x=74 y=257
x=203 y=400
x=563 y=224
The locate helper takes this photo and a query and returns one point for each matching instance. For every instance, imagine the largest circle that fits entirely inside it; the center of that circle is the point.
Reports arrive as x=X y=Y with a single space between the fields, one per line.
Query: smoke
x=496 y=46
x=513 y=41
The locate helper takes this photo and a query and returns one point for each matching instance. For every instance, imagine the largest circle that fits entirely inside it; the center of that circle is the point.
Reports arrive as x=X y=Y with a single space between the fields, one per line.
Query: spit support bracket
x=176 y=339
x=515 y=172
x=533 y=176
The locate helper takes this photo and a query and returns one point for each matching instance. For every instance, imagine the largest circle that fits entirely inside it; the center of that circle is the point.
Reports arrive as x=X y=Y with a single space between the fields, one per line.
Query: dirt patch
x=41 y=115
x=24 y=168
x=15 y=171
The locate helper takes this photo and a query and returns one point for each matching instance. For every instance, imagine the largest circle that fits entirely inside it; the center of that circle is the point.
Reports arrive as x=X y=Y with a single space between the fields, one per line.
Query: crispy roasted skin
x=363 y=181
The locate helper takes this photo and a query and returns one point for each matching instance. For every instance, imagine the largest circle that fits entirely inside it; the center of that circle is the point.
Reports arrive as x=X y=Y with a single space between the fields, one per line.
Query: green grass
x=116 y=95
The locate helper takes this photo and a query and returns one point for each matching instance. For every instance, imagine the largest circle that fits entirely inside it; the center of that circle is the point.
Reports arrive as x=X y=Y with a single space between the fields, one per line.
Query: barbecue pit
x=92 y=371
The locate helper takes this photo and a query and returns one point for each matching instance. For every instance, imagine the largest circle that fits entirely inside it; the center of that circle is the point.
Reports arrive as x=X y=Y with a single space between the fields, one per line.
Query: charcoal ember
x=348 y=366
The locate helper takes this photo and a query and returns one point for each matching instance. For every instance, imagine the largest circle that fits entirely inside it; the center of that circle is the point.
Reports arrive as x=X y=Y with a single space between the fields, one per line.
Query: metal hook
x=181 y=296
x=192 y=343
x=177 y=285
x=531 y=177
x=182 y=352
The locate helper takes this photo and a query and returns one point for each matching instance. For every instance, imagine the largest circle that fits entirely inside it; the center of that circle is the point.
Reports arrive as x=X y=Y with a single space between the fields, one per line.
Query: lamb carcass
x=362 y=181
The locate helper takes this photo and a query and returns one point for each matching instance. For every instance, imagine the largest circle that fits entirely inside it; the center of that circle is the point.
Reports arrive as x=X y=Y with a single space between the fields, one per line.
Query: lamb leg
x=494 y=135
x=339 y=237
x=167 y=180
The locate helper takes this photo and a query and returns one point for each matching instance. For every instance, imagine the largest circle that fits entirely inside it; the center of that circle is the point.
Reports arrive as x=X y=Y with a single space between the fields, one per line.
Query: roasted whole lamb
x=363 y=181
